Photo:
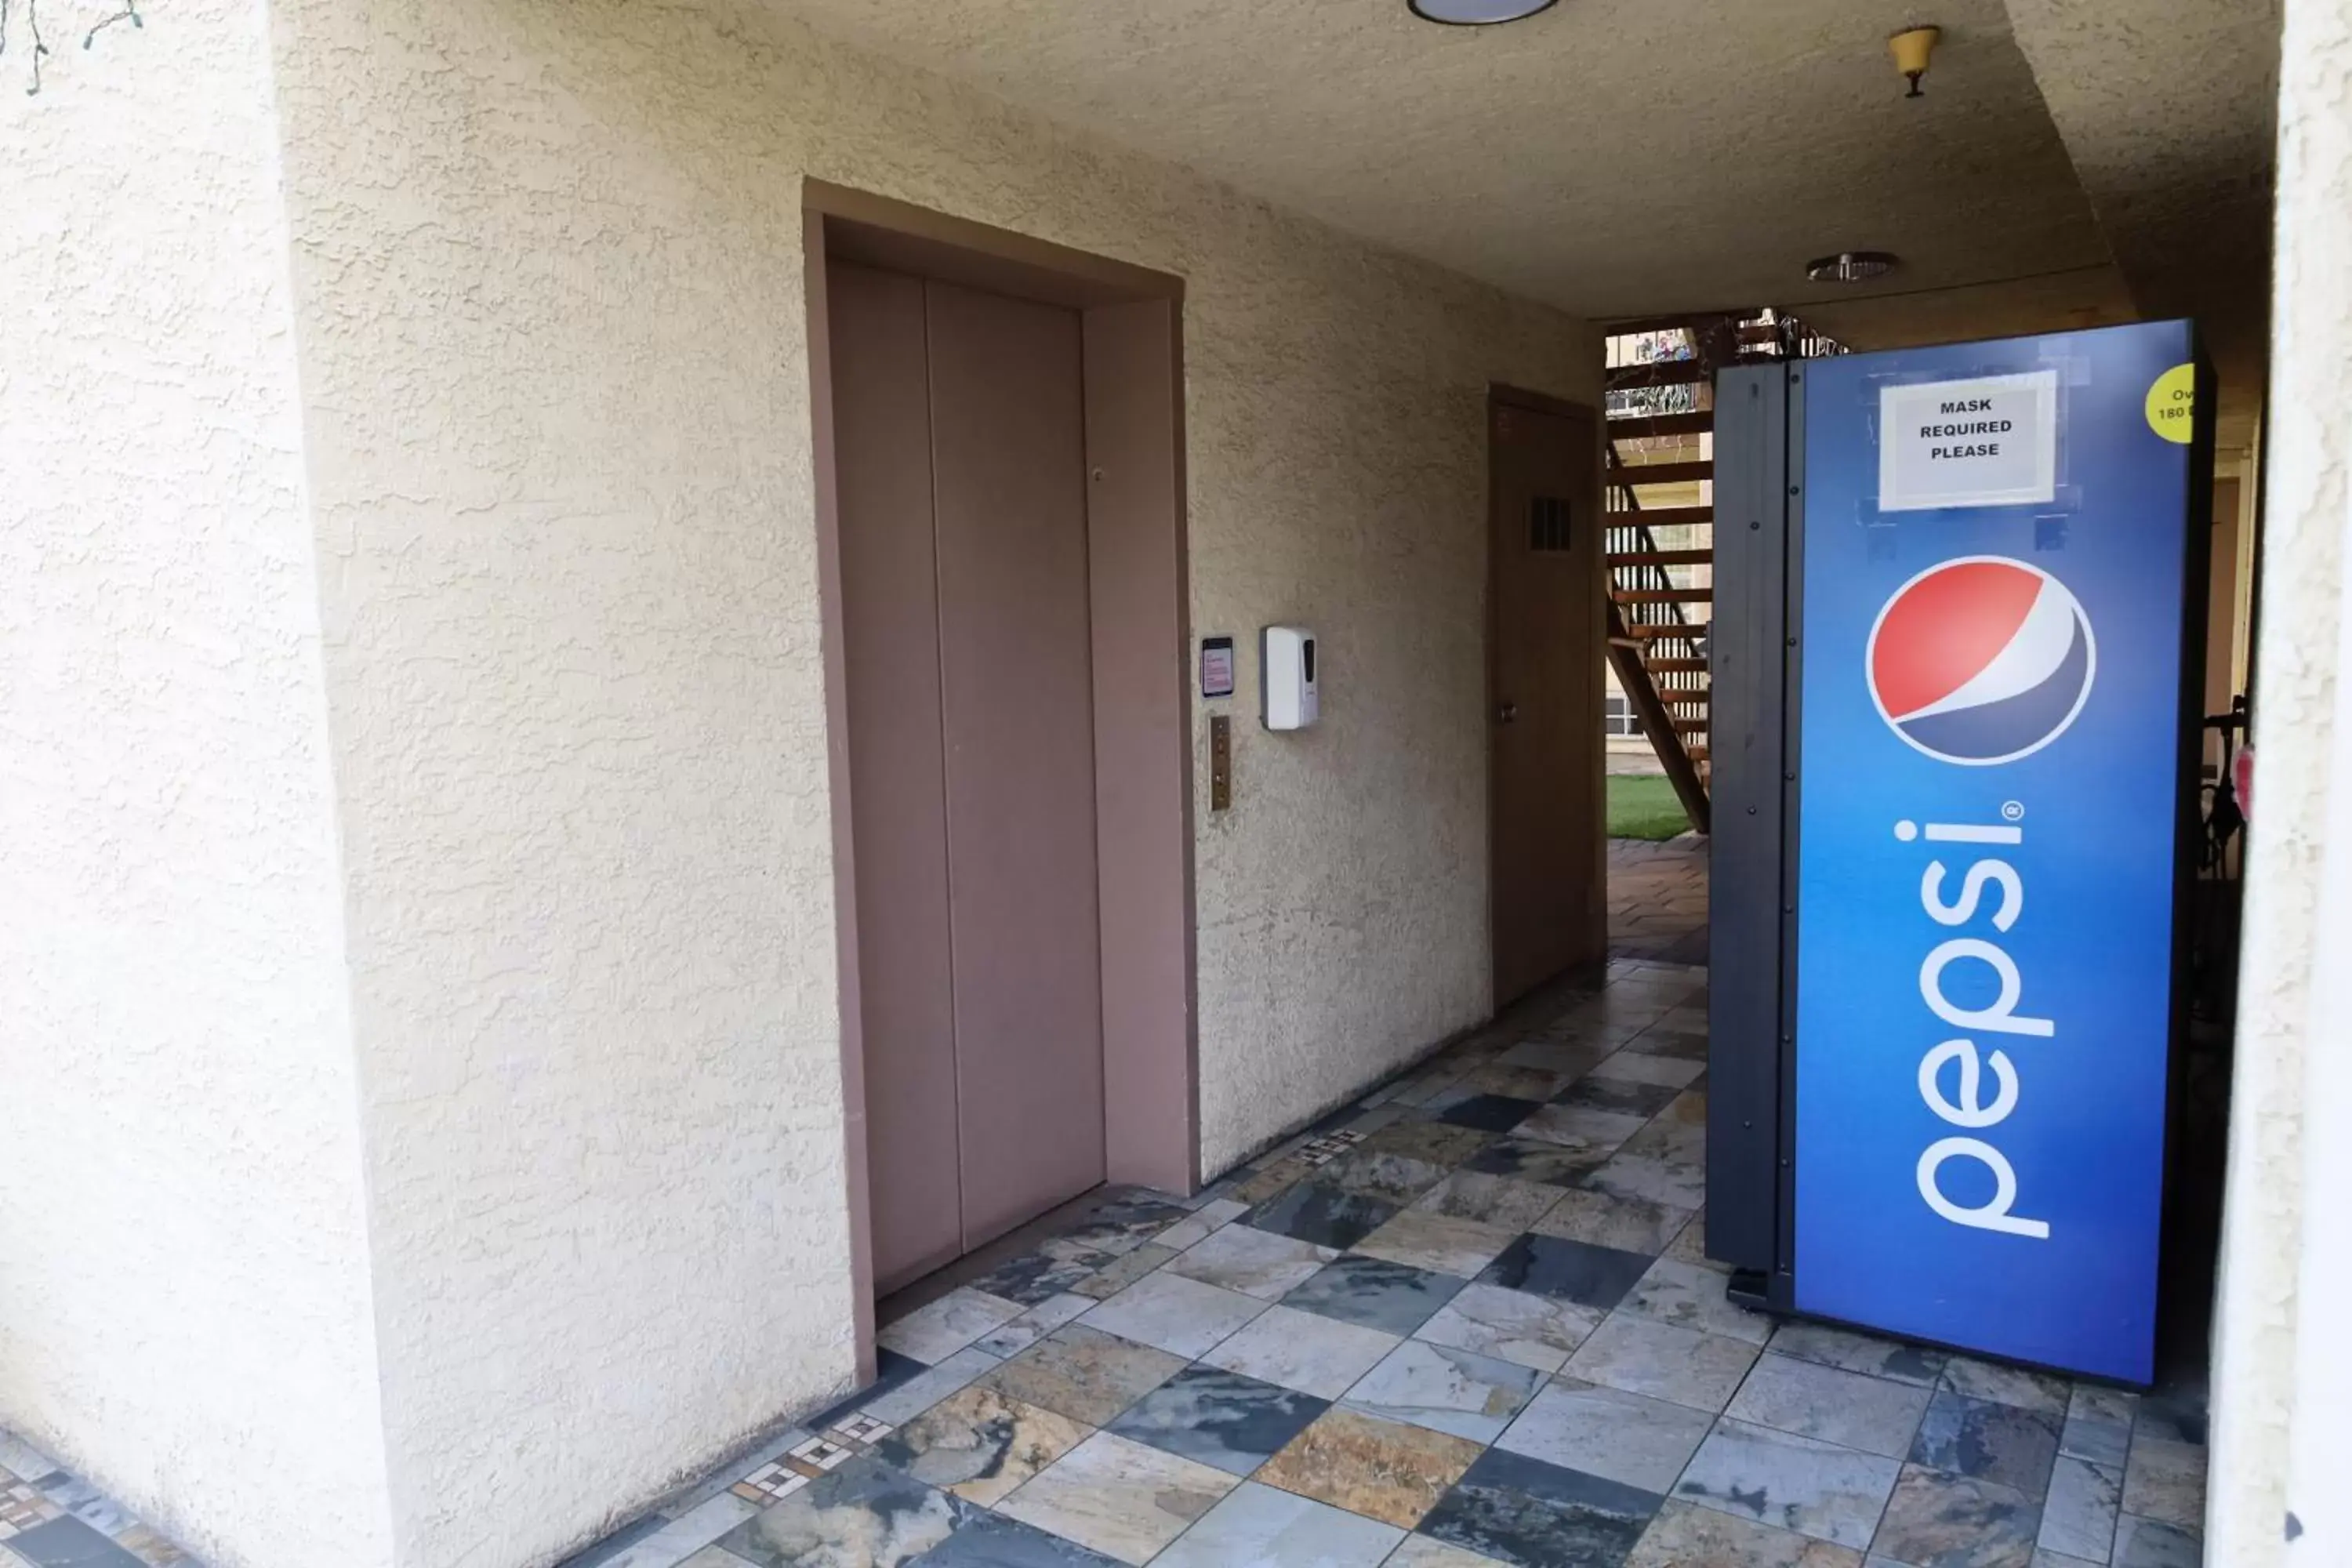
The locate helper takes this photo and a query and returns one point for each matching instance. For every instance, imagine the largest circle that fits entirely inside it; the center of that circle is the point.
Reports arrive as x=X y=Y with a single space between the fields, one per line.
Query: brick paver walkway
x=1657 y=899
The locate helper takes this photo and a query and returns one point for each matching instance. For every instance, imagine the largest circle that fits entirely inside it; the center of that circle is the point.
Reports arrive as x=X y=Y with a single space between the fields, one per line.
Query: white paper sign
x=1989 y=441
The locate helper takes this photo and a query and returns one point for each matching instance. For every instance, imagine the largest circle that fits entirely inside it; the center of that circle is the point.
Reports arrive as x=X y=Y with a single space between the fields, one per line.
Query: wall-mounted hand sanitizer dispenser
x=1287 y=676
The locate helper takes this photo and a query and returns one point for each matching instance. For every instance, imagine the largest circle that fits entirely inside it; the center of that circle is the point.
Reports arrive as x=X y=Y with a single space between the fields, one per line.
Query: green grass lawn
x=1643 y=806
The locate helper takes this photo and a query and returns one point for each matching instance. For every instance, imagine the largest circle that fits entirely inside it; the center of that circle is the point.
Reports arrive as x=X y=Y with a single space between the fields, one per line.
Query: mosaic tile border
x=50 y=1518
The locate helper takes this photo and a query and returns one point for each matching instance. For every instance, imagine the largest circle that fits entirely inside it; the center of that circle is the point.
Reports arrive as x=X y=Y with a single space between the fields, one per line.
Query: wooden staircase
x=1660 y=440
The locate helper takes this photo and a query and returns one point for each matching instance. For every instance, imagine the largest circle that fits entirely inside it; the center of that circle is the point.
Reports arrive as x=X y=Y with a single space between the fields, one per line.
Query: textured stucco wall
x=2282 y=1370
x=548 y=279
x=184 y=1313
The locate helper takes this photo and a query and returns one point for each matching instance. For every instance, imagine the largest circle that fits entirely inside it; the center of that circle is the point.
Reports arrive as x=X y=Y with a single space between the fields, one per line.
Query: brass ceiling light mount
x=1911 y=48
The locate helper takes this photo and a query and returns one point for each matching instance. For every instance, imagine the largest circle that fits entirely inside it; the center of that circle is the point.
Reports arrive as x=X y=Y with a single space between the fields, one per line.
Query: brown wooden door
x=1546 y=643
x=960 y=466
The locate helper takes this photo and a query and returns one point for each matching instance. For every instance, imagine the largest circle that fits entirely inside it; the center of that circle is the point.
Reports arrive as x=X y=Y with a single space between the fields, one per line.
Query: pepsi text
x=1968 y=1109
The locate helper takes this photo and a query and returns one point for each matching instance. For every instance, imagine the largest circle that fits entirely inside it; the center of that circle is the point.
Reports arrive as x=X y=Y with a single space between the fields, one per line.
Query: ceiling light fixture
x=1477 y=13
x=1911 y=48
x=1850 y=267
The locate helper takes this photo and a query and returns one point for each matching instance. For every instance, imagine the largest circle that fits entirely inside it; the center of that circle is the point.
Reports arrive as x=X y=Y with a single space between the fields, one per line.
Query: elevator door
x=960 y=458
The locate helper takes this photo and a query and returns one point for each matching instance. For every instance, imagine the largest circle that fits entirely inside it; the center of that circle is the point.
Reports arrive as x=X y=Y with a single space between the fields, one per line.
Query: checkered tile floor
x=1465 y=1321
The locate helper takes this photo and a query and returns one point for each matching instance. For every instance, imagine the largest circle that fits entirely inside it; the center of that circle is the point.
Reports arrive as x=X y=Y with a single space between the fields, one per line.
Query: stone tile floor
x=1467 y=1321
x=51 y=1519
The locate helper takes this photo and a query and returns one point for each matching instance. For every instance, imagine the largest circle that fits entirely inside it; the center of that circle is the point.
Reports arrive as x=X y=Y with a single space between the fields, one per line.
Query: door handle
x=1506 y=713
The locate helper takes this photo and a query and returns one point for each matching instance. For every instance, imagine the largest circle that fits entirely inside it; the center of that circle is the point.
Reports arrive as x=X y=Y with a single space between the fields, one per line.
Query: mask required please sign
x=1991 y=440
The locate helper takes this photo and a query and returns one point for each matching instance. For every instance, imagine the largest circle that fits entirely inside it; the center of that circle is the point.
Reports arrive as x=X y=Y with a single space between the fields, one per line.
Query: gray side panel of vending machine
x=1751 y=750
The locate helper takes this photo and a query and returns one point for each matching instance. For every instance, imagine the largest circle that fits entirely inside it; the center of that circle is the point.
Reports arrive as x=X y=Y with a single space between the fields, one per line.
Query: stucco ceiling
x=1615 y=157
x=2169 y=113
x=1626 y=157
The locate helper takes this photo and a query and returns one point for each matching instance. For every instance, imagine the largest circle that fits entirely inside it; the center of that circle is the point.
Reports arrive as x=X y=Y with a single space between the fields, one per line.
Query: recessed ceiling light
x=1476 y=13
x=1850 y=267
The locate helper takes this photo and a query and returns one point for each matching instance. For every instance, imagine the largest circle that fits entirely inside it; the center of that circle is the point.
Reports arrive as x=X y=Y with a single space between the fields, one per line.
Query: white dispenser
x=1287 y=676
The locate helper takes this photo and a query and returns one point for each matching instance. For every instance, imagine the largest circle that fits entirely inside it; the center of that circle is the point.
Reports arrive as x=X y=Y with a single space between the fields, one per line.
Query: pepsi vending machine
x=1959 y=601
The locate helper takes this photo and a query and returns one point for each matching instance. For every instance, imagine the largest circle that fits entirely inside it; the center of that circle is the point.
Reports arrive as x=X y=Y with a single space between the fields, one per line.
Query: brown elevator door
x=898 y=774
x=1546 y=646
x=959 y=459
x=1008 y=444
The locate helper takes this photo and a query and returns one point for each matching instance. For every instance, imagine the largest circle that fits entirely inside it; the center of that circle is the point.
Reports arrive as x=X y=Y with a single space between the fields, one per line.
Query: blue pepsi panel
x=1992 y=648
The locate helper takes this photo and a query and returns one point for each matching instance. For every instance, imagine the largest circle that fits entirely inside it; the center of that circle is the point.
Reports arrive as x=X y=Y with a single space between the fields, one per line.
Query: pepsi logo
x=1981 y=660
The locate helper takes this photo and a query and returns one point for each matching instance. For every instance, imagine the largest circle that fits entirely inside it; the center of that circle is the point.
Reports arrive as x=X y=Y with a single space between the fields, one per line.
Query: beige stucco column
x=185 y=1310
x=2283 y=1368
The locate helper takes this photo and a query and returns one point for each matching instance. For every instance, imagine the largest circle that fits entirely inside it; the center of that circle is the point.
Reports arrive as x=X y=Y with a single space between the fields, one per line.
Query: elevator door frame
x=1141 y=642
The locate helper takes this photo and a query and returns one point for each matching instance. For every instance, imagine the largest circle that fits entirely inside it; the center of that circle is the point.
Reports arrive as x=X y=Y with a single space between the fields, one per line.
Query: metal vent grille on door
x=1547 y=524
